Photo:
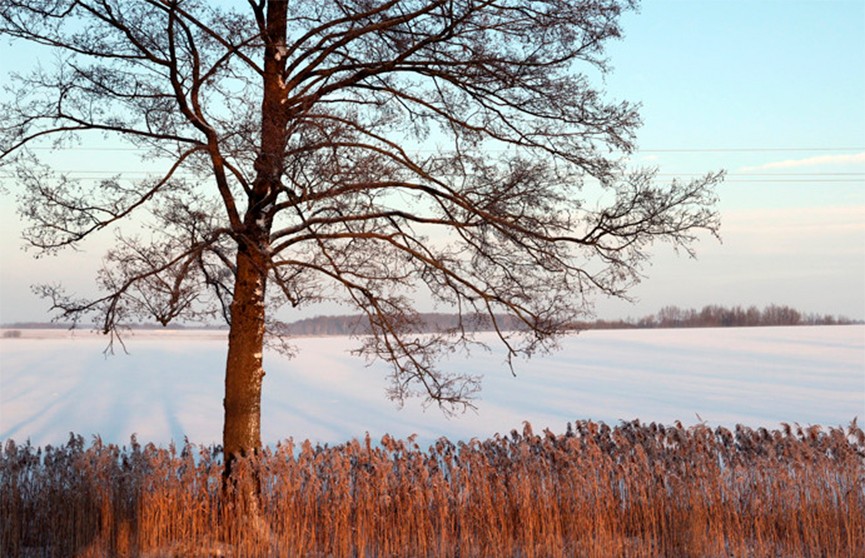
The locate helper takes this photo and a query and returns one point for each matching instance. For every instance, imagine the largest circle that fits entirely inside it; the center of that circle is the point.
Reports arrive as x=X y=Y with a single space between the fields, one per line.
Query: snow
x=171 y=385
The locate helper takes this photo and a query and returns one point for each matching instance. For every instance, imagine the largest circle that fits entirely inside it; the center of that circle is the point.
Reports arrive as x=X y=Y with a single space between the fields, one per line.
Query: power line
x=756 y=175
x=793 y=180
x=766 y=174
x=745 y=149
x=84 y=148
x=112 y=173
x=787 y=178
x=639 y=150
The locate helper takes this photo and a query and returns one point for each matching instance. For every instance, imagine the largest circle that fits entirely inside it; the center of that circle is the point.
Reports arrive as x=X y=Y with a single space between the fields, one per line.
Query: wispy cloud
x=833 y=230
x=851 y=159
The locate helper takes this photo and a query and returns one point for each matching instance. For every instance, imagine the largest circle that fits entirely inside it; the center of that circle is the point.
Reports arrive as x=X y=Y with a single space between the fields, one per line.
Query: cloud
x=851 y=159
x=796 y=231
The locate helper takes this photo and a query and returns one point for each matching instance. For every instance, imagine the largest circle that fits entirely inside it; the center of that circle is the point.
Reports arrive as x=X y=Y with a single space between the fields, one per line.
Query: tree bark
x=243 y=378
x=243 y=371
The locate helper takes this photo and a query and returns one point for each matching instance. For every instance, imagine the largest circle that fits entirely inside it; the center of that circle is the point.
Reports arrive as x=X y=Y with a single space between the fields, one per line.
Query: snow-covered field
x=170 y=385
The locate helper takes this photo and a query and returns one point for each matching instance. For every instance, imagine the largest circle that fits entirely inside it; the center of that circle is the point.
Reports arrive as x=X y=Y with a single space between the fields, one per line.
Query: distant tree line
x=667 y=317
x=358 y=325
x=723 y=316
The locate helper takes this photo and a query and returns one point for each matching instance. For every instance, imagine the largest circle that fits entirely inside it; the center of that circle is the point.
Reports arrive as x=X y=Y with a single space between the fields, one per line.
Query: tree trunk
x=241 y=433
x=243 y=373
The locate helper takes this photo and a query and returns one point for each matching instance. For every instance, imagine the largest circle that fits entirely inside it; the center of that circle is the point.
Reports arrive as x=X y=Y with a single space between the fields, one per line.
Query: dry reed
x=635 y=490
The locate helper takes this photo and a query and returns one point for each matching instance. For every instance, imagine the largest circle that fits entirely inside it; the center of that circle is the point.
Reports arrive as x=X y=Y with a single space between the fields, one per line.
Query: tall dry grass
x=635 y=490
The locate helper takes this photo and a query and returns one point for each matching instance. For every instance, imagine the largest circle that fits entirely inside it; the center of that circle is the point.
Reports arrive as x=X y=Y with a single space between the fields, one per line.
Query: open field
x=627 y=490
x=170 y=385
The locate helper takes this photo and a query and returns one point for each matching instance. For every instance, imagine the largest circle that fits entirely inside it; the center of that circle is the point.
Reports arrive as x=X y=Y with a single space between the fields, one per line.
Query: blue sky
x=771 y=91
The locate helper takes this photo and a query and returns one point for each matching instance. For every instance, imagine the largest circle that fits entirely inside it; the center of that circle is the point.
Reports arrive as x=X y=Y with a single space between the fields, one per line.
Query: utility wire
x=780 y=177
x=730 y=178
x=639 y=150
x=746 y=149
x=112 y=173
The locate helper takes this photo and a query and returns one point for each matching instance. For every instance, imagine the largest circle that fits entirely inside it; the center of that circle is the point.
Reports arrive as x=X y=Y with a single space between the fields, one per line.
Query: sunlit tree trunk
x=244 y=372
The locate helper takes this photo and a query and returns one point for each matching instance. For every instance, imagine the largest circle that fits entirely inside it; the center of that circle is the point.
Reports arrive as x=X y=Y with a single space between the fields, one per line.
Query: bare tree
x=351 y=150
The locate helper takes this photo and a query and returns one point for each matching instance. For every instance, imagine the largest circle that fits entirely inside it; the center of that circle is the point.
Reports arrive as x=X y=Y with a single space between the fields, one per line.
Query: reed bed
x=633 y=490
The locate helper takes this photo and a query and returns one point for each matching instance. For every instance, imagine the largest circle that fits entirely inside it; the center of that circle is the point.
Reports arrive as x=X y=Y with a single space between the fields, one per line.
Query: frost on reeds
x=635 y=490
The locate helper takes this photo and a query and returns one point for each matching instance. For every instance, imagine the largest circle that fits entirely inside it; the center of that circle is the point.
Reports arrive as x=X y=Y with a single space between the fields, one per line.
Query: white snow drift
x=171 y=384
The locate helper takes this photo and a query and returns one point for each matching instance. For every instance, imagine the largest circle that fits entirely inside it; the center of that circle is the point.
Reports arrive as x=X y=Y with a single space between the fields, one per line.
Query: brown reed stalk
x=633 y=490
